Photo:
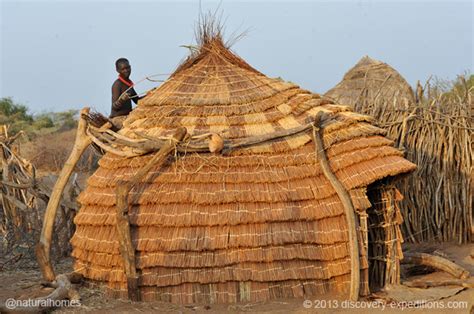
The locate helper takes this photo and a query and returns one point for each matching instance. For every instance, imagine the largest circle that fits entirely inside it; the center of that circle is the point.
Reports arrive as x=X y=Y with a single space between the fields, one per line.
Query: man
x=122 y=93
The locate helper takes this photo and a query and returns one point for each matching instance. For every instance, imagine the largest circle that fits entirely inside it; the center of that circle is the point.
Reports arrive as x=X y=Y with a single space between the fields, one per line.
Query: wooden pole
x=64 y=289
x=43 y=249
x=348 y=208
x=437 y=262
x=441 y=283
x=123 y=224
x=199 y=144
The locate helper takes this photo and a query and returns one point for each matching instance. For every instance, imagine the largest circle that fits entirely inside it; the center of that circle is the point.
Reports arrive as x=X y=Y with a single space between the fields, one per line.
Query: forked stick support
x=43 y=249
x=123 y=224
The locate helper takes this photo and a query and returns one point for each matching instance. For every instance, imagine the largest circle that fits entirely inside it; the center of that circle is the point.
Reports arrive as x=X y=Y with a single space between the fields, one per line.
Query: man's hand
x=119 y=102
x=124 y=97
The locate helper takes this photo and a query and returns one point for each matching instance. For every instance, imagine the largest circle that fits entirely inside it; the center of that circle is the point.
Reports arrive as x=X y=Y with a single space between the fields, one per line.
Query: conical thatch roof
x=371 y=80
x=261 y=220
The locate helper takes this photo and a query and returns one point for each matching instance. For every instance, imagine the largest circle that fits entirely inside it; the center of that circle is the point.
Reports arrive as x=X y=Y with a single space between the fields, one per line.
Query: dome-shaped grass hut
x=368 y=81
x=260 y=219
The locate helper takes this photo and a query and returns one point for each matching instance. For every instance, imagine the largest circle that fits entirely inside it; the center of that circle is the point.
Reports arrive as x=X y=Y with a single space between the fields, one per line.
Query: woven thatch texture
x=260 y=222
x=368 y=81
x=436 y=133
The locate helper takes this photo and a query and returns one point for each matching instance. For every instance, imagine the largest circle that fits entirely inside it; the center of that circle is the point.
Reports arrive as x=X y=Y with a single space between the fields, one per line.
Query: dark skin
x=121 y=100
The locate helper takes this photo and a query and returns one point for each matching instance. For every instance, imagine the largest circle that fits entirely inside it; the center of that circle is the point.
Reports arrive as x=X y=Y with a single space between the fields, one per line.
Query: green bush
x=16 y=116
x=43 y=121
x=15 y=111
x=65 y=120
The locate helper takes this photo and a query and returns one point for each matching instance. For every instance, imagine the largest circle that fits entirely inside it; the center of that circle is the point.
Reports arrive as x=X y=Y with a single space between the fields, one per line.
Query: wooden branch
x=254 y=140
x=110 y=149
x=113 y=142
x=43 y=248
x=202 y=146
x=62 y=285
x=12 y=139
x=16 y=185
x=123 y=224
x=110 y=140
x=437 y=262
x=348 y=207
x=406 y=119
x=118 y=140
x=428 y=284
x=15 y=202
x=115 y=134
x=63 y=290
x=381 y=87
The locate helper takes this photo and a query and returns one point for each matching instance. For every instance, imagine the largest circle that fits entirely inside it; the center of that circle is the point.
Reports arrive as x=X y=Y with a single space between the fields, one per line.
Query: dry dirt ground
x=25 y=284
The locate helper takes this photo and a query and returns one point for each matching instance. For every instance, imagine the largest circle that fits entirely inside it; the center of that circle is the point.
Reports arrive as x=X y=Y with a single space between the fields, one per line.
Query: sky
x=59 y=55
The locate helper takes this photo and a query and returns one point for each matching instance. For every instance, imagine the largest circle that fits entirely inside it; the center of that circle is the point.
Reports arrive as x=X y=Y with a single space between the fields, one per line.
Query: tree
x=65 y=120
x=43 y=120
x=14 y=115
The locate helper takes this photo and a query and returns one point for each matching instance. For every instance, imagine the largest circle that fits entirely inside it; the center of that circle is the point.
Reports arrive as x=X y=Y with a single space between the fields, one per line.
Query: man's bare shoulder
x=117 y=83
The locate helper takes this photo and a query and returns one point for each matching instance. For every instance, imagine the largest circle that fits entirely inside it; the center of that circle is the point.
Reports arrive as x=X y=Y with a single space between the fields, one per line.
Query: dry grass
x=49 y=152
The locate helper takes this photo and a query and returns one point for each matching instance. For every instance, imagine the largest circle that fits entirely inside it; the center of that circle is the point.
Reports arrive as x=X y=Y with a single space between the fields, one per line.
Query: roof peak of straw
x=210 y=43
x=367 y=60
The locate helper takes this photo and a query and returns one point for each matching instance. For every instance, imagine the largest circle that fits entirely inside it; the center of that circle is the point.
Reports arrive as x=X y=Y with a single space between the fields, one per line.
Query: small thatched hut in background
x=436 y=133
x=368 y=81
x=255 y=223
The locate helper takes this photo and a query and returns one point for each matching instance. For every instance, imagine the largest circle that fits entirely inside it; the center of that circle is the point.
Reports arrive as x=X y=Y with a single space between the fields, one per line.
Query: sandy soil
x=25 y=284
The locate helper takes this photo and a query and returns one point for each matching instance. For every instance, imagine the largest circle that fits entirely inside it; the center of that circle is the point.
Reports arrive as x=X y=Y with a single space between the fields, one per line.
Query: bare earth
x=25 y=284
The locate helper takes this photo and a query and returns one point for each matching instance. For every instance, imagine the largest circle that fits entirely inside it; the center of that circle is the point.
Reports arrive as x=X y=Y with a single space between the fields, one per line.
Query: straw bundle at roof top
x=253 y=223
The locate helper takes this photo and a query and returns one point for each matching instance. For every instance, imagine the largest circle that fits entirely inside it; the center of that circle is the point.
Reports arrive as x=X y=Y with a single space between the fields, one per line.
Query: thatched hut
x=370 y=80
x=255 y=223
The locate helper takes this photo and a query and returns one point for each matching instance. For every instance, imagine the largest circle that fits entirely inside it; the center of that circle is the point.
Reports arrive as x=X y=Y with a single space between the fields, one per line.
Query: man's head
x=123 y=68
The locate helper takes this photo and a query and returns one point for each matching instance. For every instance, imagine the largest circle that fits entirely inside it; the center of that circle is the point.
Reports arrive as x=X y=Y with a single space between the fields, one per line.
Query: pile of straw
x=436 y=133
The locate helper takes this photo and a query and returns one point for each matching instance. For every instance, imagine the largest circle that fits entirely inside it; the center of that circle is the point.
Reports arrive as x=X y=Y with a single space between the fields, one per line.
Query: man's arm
x=134 y=96
x=117 y=100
